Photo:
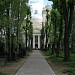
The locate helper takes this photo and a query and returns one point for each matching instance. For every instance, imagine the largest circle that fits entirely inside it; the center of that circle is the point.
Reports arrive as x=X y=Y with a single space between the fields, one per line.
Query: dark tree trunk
x=68 y=26
x=46 y=41
x=53 y=48
x=71 y=17
x=66 y=45
x=58 y=49
x=8 y=39
x=66 y=34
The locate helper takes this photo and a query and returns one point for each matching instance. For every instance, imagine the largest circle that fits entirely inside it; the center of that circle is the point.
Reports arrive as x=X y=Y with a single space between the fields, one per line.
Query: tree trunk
x=53 y=48
x=66 y=45
x=8 y=39
x=31 y=43
x=71 y=17
x=60 y=35
x=68 y=26
x=66 y=34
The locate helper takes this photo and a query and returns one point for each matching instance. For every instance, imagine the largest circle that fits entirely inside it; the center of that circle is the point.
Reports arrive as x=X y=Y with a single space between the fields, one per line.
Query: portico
x=36 y=41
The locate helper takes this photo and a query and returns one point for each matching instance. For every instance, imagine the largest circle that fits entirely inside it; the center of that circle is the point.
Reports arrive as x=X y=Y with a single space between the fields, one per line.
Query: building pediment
x=36 y=28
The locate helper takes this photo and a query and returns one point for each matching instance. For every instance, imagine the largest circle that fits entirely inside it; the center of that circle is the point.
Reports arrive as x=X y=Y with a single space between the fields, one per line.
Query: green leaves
x=30 y=30
x=56 y=3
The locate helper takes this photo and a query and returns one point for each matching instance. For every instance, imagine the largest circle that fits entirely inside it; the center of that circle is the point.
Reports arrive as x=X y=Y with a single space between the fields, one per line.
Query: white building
x=37 y=25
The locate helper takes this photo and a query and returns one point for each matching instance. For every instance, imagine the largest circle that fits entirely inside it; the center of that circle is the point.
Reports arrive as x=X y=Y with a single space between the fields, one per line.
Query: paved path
x=35 y=65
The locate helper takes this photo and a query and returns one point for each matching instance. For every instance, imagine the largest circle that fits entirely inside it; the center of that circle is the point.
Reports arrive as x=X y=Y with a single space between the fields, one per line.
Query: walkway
x=35 y=65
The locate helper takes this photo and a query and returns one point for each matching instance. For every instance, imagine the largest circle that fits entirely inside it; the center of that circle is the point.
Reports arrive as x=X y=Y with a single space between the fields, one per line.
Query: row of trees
x=12 y=16
x=59 y=27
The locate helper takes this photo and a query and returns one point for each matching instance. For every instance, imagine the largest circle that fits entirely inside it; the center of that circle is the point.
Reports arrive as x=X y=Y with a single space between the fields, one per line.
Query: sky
x=37 y=7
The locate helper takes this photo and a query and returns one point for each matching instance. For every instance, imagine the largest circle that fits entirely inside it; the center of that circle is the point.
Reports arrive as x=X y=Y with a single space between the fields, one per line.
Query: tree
x=55 y=21
x=30 y=34
x=46 y=28
x=11 y=17
x=67 y=9
x=68 y=17
x=42 y=36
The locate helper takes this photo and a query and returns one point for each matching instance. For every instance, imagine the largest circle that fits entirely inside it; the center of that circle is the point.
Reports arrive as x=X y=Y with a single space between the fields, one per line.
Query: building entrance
x=36 y=41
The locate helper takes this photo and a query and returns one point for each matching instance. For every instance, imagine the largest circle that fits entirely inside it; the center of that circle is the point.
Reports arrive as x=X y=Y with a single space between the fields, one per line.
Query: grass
x=69 y=71
x=2 y=73
x=70 y=65
x=46 y=53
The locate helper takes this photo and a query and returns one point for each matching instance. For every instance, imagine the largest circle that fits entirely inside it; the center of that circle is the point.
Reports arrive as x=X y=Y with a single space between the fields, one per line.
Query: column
x=39 y=41
x=33 y=41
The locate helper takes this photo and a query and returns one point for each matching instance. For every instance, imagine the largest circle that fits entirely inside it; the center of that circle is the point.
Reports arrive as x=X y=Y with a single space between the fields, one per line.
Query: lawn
x=57 y=64
x=2 y=73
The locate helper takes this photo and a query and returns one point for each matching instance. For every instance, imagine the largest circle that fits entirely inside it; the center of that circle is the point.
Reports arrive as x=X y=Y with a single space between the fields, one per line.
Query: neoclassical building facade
x=37 y=25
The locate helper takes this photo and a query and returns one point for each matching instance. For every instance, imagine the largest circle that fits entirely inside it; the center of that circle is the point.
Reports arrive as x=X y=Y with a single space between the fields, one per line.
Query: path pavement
x=35 y=65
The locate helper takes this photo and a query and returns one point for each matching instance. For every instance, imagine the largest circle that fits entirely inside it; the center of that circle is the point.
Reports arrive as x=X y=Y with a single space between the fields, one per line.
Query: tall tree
x=68 y=9
x=68 y=17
